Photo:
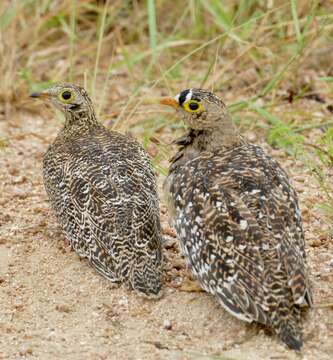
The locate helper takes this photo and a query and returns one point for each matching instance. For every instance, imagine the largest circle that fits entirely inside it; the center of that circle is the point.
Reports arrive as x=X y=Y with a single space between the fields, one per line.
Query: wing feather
x=107 y=207
x=239 y=223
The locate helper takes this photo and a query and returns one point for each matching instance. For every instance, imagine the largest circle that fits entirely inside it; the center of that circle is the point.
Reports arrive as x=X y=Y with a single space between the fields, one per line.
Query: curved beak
x=40 y=95
x=169 y=101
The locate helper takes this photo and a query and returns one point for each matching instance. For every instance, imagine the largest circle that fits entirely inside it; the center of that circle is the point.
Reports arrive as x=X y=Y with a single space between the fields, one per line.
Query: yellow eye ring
x=66 y=96
x=192 y=106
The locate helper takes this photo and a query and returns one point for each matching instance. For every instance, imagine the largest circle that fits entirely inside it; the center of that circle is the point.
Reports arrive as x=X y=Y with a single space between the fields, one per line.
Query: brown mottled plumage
x=237 y=218
x=102 y=189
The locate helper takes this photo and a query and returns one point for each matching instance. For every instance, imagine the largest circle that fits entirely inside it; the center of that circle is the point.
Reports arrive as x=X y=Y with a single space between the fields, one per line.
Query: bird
x=237 y=218
x=102 y=189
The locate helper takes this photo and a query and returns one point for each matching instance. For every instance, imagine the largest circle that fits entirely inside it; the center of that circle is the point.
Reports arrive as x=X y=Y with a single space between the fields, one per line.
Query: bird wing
x=106 y=208
x=265 y=189
x=276 y=208
x=79 y=206
x=240 y=227
x=223 y=253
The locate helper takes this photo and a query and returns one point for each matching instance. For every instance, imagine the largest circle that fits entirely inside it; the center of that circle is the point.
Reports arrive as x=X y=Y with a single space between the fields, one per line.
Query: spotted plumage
x=237 y=218
x=102 y=189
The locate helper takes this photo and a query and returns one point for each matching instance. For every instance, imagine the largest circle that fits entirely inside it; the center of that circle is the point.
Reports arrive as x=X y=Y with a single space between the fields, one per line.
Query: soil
x=54 y=306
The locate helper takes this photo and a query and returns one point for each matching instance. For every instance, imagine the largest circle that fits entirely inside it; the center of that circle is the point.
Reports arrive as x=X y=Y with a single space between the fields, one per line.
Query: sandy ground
x=54 y=306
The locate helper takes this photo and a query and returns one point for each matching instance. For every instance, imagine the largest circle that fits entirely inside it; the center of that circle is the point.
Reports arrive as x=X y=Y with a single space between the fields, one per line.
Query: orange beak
x=169 y=101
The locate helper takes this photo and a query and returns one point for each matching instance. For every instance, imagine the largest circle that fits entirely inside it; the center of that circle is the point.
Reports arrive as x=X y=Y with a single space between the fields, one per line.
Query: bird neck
x=79 y=121
x=212 y=140
x=222 y=135
x=219 y=138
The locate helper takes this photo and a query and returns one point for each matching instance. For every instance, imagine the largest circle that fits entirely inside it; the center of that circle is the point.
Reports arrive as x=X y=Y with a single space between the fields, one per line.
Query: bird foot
x=190 y=286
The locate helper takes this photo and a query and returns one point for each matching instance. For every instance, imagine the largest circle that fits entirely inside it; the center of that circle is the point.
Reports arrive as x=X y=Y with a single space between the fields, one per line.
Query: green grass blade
x=299 y=35
x=278 y=77
x=72 y=38
x=152 y=28
x=271 y=119
x=8 y=15
x=99 y=45
x=220 y=15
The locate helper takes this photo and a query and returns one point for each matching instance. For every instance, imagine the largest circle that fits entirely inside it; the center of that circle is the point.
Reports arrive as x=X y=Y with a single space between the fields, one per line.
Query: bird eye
x=192 y=106
x=66 y=95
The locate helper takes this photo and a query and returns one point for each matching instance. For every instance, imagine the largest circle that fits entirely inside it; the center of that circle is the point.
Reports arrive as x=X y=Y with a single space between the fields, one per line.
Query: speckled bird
x=237 y=218
x=102 y=188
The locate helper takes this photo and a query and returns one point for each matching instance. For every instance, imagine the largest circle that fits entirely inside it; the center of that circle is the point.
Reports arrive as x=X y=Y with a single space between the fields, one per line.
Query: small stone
x=18 y=305
x=19 y=179
x=170 y=243
x=252 y=137
x=21 y=194
x=330 y=263
x=178 y=264
x=163 y=210
x=315 y=243
x=169 y=231
x=63 y=308
x=167 y=324
x=123 y=302
x=26 y=351
x=160 y=346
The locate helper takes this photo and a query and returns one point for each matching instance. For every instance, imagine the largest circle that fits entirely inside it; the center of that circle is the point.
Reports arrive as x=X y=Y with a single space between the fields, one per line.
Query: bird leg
x=189 y=285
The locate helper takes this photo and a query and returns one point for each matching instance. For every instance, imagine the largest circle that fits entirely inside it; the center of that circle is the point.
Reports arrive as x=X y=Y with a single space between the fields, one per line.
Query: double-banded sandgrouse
x=237 y=218
x=102 y=188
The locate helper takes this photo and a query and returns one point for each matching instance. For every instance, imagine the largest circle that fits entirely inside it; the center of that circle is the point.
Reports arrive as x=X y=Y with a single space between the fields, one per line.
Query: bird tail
x=146 y=274
x=288 y=327
x=291 y=336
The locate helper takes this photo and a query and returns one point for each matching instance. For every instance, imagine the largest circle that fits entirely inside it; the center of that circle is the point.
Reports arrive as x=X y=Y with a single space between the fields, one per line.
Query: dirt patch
x=54 y=306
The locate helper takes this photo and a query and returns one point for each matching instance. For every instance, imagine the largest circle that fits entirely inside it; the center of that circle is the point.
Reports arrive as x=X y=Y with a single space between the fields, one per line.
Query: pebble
x=21 y=194
x=123 y=302
x=167 y=324
x=330 y=263
x=63 y=308
x=26 y=351
x=315 y=243
x=169 y=231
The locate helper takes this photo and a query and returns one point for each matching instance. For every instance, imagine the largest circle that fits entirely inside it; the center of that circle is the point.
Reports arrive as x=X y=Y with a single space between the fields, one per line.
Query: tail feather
x=291 y=335
x=145 y=275
x=287 y=324
x=148 y=283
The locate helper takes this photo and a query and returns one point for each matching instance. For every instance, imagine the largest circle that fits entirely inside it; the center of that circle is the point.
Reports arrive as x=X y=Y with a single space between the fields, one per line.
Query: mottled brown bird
x=102 y=188
x=237 y=218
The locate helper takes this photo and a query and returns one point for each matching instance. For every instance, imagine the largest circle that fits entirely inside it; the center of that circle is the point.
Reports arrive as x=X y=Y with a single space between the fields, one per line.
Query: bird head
x=68 y=98
x=200 y=109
